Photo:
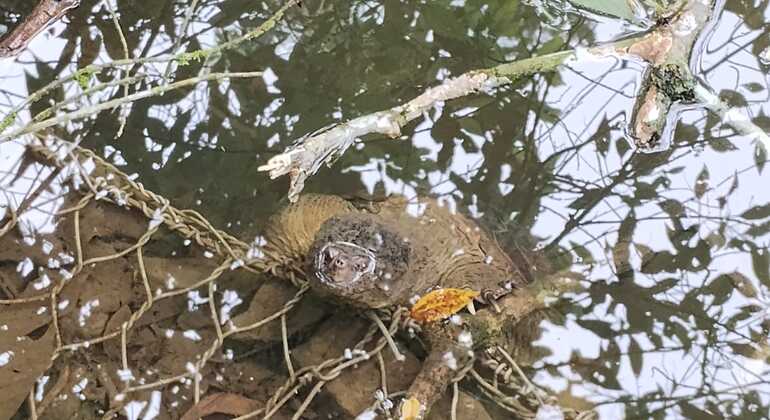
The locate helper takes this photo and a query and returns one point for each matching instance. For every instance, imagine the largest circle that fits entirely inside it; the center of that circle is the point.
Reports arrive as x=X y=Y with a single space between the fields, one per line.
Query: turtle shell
x=392 y=253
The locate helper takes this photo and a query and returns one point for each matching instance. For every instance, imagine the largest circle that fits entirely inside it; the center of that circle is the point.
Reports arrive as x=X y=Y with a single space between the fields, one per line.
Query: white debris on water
x=5 y=357
x=449 y=359
x=157 y=218
x=40 y=387
x=465 y=339
x=170 y=282
x=153 y=410
x=25 y=267
x=44 y=282
x=194 y=299
x=79 y=387
x=134 y=409
x=349 y=354
x=368 y=414
x=192 y=335
x=125 y=375
x=549 y=412
x=230 y=300
x=85 y=311
x=66 y=258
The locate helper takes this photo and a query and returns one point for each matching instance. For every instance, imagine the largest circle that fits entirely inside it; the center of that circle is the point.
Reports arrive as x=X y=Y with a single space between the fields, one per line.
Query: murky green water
x=673 y=246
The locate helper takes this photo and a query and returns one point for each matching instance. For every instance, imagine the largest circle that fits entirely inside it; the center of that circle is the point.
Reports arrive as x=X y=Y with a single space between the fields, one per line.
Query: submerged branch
x=668 y=49
x=306 y=155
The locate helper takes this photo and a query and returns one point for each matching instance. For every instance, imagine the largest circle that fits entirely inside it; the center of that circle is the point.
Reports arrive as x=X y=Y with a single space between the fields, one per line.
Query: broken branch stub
x=44 y=13
x=669 y=82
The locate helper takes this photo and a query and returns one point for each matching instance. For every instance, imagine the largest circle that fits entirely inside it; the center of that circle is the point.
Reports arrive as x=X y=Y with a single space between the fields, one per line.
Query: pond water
x=671 y=246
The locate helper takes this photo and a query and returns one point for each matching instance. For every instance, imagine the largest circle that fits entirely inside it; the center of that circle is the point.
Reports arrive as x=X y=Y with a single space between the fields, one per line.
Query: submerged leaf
x=411 y=409
x=442 y=303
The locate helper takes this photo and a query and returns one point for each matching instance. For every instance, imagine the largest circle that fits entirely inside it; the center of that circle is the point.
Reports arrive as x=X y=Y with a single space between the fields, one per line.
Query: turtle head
x=359 y=261
x=343 y=263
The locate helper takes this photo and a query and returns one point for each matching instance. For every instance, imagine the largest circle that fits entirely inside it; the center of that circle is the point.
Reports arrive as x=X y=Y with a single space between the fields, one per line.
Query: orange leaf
x=411 y=409
x=441 y=303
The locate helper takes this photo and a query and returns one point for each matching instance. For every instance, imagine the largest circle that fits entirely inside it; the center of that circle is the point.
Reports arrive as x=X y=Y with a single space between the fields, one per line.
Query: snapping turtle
x=387 y=253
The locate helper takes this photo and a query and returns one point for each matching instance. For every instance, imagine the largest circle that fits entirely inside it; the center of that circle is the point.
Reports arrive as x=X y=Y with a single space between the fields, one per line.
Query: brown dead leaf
x=221 y=403
x=441 y=303
x=23 y=362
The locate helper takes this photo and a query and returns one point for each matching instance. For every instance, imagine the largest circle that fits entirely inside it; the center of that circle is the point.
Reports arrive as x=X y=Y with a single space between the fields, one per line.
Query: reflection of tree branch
x=44 y=13
x=667 y=48
x=90 y=70
x=95 y=109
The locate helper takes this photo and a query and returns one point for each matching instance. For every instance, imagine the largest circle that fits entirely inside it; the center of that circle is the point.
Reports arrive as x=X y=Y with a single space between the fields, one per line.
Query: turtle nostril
x=339 y=263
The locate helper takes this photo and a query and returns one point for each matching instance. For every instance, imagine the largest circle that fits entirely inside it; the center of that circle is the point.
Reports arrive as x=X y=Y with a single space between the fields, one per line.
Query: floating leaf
x=411 y=409
x=441 y=303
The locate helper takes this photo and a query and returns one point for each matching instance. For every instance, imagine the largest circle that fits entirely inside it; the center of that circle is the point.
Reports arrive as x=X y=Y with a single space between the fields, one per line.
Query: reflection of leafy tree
x=350 y=58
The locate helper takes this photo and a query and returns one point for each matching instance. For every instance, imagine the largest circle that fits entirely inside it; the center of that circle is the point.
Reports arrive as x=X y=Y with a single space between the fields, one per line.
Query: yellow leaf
x=441 y=303
x=411 y=409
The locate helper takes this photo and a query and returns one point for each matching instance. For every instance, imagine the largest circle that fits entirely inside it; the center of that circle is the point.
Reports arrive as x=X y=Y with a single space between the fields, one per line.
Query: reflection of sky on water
x=577 y=97
x=574 y=97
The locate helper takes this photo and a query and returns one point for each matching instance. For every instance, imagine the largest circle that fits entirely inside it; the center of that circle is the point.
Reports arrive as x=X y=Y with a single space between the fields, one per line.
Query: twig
x=185 y=57
x=732 y=116
x=182 y=32
x=393 y=347
x=93 y=110
x=285 y=341
x=122 y=117
x=455 y=398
